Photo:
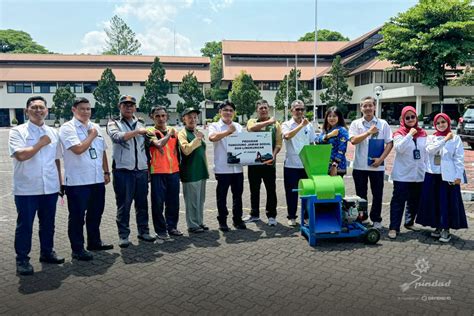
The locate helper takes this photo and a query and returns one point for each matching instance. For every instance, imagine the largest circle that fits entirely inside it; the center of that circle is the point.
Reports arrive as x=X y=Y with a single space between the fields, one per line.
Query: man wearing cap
x=164 y=171
x=35 y=149
x=193 y=170
x=227 y=175
x=86 y=172
x=130 y=170
x=267 y=171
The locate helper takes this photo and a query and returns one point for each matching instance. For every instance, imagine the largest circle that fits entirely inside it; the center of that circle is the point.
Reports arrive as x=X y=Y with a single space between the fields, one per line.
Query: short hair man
x=266 y=172
x=193 y=170
x=227 y=175
x=130 y=170
x=35 y=149
x=164 y=171
x=297 y=132
x=86 y=172
x=360 y=132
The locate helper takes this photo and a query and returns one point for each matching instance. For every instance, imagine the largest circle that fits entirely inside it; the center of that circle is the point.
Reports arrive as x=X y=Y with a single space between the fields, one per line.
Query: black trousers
x=361 y=178
x=291 y=178
x=268 y=175
x=408 y=193
x=236 y=183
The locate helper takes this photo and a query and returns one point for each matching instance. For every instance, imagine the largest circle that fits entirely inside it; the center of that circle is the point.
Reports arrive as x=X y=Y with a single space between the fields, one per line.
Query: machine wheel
x=372 y=236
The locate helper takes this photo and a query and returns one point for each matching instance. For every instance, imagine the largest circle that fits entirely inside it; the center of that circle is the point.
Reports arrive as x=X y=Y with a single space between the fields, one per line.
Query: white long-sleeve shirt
x=452 y=157
x=405 y=167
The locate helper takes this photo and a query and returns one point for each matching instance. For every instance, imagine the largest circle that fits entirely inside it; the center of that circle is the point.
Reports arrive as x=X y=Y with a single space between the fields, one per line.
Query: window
x=363 y=78
x=273 y=86
x=122 y=84
x=45 y=87
x=77 y=87
x=174 y=88
x=89 y=87
x=19 y=87
x=378 y=76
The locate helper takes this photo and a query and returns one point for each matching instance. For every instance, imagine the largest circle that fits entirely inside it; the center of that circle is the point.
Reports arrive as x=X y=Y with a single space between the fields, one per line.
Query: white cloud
x=93 y=42
x=217 y=5
x=207 y=20
x=156 y=12
x=164 y=42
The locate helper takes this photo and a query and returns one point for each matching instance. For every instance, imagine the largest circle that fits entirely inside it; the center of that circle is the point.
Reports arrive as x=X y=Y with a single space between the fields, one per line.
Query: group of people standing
x=424 y=167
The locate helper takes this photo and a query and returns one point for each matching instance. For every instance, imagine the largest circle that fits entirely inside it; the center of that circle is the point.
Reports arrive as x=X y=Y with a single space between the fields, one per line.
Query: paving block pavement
x=263 y=270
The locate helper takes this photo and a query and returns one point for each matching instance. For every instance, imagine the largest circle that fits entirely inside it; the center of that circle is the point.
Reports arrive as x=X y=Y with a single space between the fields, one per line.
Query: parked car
x=465 y=128
x=452 y=113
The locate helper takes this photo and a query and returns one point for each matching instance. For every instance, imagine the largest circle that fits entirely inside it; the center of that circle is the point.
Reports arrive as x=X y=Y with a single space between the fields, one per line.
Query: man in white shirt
x=297 y=132
x=227 y=175
x=86 y=172
x=360 y=132
x=35 y=150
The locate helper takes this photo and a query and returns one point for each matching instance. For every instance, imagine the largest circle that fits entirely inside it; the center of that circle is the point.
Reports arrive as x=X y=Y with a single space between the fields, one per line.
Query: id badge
x=92 y=153
x=437 y=159
x=416 y=154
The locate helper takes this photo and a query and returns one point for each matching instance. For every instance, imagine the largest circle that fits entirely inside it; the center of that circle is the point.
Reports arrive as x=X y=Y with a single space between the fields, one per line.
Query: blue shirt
x=339 y=147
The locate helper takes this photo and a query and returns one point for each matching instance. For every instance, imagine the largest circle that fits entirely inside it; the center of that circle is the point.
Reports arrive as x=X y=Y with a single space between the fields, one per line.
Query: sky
x=182 y=27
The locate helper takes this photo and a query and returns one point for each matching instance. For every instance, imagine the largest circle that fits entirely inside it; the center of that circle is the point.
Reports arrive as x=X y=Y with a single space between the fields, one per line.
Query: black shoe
x=175 y=232
x=51 y=258
x=224 y=228
x=24 y=268
x=101 y=246
x=196 y=230
x=204 y=227
x=240 y=225
x=82 y=255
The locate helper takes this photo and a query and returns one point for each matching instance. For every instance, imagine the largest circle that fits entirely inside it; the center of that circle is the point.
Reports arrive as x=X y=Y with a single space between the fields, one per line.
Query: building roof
x=279 y=48
x=358 y=40
x=77 y=68
x=375 y=65
x=273 y=71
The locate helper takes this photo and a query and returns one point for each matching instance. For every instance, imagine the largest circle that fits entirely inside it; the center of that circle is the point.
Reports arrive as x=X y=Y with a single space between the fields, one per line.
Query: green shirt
x=193 y=165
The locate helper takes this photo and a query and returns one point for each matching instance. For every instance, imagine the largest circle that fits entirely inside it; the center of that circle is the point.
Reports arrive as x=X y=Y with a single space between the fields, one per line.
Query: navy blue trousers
x=131 y=186
x=236 y=183
x=361 y=179
x=165 y=193
x=404 y=193
x=291 y=177
x=85 y=201
x=27 y=206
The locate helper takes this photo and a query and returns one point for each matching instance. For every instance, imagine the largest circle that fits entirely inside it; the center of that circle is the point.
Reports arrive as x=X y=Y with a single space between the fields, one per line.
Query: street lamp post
x=378 y=91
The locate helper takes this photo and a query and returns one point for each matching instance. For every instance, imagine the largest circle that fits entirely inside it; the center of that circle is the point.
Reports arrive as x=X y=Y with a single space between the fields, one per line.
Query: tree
x=120 y=39
x=465 y=79
x=303 y=93
x=337 y=90
x=190 y=92
x=429 y=37
x=62 y=103
x=324 y=35
x=107 y=95
x=13 y=41
x=156 y=88
x=244 y=94
x=212 y=49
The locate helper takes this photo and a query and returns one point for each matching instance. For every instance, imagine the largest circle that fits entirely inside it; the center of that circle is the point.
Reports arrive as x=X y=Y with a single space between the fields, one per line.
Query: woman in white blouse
x=408 y=171
x=441 y=203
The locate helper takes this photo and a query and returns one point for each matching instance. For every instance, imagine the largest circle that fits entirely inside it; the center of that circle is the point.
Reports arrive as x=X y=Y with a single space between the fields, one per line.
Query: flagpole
x=315 y=104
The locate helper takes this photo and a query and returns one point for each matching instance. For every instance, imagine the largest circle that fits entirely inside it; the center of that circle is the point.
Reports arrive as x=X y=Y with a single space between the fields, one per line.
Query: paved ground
x=259 y=271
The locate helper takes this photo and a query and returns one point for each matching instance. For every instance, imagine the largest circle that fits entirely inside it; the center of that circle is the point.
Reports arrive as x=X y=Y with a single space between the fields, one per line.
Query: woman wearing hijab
x=408 y=171
x=441 y=203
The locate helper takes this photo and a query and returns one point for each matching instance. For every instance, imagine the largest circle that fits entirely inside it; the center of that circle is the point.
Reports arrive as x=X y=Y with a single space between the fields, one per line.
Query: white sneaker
x=124 y=242
x=436 y=233
x=292 y=222
x=445 y=236
x=392 y=234
x=413 y=228
x=378 y=225
x=251 y=219
x=272 y=221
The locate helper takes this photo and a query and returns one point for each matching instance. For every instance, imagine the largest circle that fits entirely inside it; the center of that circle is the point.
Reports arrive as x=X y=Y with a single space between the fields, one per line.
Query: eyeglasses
x=299 y=109
x=411 y=117
x=227 y=110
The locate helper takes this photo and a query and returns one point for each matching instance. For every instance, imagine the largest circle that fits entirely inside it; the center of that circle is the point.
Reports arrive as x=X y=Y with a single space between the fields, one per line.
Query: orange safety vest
x=166 y=162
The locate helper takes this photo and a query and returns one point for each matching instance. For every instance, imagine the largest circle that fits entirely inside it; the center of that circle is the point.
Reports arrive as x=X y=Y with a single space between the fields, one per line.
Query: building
x=269 y=62
x=25 y=75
